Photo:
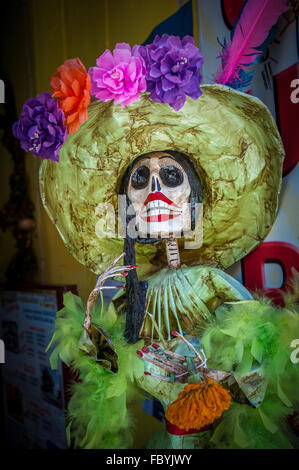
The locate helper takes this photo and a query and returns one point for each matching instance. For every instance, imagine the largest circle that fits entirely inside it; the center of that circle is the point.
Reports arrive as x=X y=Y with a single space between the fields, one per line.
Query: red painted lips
x=158 y=196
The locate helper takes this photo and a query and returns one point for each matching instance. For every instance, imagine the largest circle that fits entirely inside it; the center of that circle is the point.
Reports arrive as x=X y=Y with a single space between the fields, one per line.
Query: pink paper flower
x=119 y=76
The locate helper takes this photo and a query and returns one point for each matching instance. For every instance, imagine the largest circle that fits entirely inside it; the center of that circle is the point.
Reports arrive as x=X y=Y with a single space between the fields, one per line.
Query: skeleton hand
x=178 y=366
x=109 y=272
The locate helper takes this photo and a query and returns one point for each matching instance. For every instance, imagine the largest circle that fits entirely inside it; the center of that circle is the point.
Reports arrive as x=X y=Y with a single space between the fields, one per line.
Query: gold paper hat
x=231 y=138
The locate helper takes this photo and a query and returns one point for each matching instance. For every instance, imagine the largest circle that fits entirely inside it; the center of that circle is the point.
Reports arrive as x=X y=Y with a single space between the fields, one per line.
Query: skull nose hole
x=153 y=184
x=158 y=185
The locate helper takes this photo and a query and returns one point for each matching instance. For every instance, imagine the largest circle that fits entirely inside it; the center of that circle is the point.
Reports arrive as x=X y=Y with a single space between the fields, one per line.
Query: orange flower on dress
x=198 y=405
x=71 y=87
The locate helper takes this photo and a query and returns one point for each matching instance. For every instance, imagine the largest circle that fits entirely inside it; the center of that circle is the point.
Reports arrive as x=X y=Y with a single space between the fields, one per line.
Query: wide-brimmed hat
x=233 y=142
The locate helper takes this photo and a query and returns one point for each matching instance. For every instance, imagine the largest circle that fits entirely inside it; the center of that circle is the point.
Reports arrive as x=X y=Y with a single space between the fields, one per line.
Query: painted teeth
x=157 y=204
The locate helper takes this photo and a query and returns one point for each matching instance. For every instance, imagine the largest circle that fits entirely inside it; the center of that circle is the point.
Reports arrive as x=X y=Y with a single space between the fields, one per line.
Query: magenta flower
x=172 y=69
x=119 y=76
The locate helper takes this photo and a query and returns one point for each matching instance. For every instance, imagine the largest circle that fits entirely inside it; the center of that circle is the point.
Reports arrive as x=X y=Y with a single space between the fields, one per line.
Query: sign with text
x=33 y=393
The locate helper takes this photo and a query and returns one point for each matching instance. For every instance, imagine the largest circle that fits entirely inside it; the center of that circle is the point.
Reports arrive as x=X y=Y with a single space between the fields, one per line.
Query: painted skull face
x=159 y=191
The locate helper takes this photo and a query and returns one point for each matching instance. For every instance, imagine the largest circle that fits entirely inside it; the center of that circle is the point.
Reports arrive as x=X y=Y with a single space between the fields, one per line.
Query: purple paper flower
x=41 y=127
x=173 y=69
x=119 y=76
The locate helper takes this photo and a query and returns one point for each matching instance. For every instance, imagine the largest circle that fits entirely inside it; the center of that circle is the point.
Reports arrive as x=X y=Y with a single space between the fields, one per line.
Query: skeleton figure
x=163 y=191
x=220 y=158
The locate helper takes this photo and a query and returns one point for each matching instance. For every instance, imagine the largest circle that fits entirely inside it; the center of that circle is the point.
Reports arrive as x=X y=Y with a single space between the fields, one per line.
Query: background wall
x=36 y=37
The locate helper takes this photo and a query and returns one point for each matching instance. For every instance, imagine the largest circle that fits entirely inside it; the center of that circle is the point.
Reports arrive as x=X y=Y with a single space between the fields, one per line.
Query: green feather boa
x=98 y=417
x=250 y=334
x=240 y=336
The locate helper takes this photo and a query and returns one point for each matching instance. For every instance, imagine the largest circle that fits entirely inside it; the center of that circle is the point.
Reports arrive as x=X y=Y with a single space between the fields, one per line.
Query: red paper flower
x=71 y=87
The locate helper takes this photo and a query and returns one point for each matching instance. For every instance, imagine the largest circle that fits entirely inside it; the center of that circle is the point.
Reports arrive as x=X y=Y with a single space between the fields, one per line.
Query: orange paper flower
x=198 y=405
x=71 y=87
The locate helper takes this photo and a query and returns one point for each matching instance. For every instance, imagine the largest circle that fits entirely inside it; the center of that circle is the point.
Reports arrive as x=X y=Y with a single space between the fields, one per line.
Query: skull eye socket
x=140 y=177
x=171 y=176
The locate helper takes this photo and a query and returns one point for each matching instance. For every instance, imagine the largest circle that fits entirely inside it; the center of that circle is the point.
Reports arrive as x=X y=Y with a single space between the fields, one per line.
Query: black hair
x=135 y=289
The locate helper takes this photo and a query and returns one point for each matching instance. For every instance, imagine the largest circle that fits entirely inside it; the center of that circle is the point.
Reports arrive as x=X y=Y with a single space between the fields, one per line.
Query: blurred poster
x=33 y=392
